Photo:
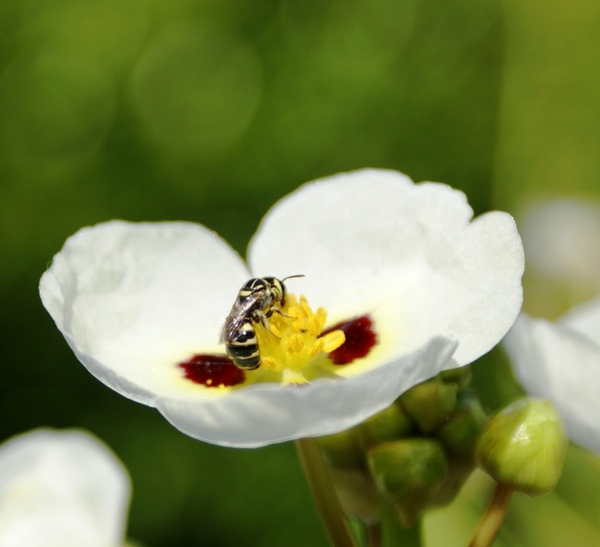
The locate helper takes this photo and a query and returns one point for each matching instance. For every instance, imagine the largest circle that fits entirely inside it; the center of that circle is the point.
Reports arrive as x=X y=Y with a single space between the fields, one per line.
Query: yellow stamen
x=295 y=343
x=291 y=343
x=268 y=362
x=332 y=340
x=274 y=330
x=293 y=377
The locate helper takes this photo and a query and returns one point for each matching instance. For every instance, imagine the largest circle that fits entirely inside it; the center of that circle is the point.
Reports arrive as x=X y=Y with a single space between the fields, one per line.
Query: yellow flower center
x=291 y=346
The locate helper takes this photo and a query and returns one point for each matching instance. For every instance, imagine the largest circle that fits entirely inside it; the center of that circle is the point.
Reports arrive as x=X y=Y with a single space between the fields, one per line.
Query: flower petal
x=561 y=239
x=374 y=242
x=267 y=413
x=558 y=363
x=133 y=299
x=585 y=319
x=61 y=488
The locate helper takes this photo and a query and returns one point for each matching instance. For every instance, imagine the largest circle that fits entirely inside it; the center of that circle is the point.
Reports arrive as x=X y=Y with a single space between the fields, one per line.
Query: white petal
x=561 y=239
x=266 y=413
x=133 y=299
x=585 y=319
x=61 y=488
x=372 y=241
x=555 y=362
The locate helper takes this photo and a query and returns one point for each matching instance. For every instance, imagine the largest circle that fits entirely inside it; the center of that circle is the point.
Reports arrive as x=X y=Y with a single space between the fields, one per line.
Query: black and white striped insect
x=258 y=299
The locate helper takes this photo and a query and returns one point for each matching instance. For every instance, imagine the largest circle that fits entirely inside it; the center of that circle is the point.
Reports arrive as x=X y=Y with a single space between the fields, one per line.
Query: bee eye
x=249 y=284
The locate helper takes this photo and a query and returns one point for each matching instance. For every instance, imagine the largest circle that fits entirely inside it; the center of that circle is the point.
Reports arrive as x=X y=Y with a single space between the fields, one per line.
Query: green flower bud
x=430 y=403
x=342 y=449
x=357 y=494
x=353 y=485
x=524 y=446
x=461 y=376
x=458 y=473
x=408 y=472
x=388 y=425
x=460 y=433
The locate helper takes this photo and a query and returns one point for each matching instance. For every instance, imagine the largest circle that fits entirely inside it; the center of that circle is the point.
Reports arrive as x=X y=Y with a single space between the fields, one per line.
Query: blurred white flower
x=561 y=240
x=560 y=361
x=61 y=489
x=415 y=283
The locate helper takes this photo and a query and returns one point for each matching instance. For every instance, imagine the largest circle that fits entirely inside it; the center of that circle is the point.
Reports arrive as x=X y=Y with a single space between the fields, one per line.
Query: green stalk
x=494 y=517
x=395 y=534
x=374 y=535
x=324 y=494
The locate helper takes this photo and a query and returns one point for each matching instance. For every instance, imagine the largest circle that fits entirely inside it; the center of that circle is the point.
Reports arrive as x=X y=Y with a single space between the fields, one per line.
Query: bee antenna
x=292 y=276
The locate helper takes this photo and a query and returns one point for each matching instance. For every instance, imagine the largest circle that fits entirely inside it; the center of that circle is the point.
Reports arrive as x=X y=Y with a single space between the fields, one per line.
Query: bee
x=258 y=299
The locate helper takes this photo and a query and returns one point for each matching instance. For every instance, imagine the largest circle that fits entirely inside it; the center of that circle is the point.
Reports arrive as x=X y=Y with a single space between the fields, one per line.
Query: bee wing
x=238 y=315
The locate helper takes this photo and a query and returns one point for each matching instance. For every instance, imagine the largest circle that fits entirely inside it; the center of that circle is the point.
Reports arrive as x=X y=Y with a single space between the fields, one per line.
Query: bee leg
x=276 y=310
x=271 y=312
x=259 y=316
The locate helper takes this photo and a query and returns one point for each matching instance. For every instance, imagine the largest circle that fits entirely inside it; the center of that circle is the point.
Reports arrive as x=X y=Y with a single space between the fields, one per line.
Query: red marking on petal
x=212 y=371
x=360 y=338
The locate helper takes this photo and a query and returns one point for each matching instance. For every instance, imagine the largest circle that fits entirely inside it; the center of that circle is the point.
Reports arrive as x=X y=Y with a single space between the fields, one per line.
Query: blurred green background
x=210 y=110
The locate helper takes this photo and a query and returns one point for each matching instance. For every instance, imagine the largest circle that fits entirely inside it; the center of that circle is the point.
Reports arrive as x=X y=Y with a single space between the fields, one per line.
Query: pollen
x=291 y=342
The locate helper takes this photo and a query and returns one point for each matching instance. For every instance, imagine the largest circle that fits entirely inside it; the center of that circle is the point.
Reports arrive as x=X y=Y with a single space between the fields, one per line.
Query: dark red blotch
x=360 y=338
x=212 y=371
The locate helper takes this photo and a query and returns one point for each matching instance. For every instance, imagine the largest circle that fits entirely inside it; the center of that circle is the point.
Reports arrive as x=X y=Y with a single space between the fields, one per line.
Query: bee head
x=277 y=289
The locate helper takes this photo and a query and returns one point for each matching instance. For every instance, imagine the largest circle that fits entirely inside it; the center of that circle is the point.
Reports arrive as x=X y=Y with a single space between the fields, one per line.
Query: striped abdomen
x=242 y=347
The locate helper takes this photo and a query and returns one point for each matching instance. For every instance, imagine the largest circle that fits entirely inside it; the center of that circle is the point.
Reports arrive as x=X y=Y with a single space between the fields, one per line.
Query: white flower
x=560 y=362
x=561 y=240
x=61 y=488
x=136 y=302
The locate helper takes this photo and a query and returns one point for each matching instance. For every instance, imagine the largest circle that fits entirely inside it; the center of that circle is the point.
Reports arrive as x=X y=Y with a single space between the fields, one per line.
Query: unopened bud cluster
x=415 y=454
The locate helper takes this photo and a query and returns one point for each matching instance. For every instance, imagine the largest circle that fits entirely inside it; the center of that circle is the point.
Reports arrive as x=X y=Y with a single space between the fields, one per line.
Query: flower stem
x=374 y=535
x=494 y=516
x=324 y=494
x=396 y=534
